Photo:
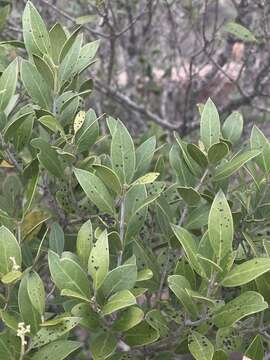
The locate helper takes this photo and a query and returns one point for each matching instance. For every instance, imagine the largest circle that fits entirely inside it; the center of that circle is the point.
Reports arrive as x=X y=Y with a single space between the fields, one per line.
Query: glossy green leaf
x=35 y=85
x=118 y=301
x=128 y=319
x=103 y=346
x=44 y=70
x=255 y=351
x=10 y=251
x=144 y=155
x=189 y=245
x=210 y=124
x=98 y=263
x=246 y=272
x=232 y=127
x=259 y=142
x=123 y=153
x=217 y=152
x=179 y=285
x=56 y=239
x=88 y=134
x=156 y=319
x=48 y=157
x=58 y=37
x=95 y=190
x=36 y=292
x=140 y=335
x=200 y=347
x=229 y=168
x=39 y=31
x=189 y=195
x=197 y=155
x=67 y=66
x=146 y=179
x=248 y=303
x=109 y=177
x=67 y=274
x=220 y=226
x=87 y=55
x=28 y=313
x=239 y=31
x=60 y=349
x=178 y=164
x=121 y=278
x=8 y=82
x=49 y=334
x=84 y=242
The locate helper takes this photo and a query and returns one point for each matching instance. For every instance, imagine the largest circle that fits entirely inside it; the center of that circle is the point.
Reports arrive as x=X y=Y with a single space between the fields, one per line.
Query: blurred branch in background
x=160 y=58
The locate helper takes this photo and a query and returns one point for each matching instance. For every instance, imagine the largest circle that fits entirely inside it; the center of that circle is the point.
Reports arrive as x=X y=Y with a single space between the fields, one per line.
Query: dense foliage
x=123 y=251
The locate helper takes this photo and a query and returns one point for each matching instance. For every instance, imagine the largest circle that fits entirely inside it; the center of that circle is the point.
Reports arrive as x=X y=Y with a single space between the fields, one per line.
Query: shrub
x=148 y=258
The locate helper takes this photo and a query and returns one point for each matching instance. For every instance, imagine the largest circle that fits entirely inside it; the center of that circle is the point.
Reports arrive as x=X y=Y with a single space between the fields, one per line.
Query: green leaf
x=39 y=31
x=220 y=355
x=51 y=333
x=98 y=263
x=89 y=318
x=189 y=195
x=74 y=294
x=194 y=168
x=109 y=177
x=11 y=277
x=84 y=242
x=229 y=168
x=44 y=70
x=144 y=275
x=220 y=226
x=88 y=134
x=144 y=155
x=48 y=157
x=134 y=219
x=156 y=319
x=179 y=286
x=36 y=292
x=9 y=249
x=120 y=300
x=95 y=190
x=121 y=278
x=249 y=302
x=177 y=162
x=87 y=54
x=240 y=32
x=146 y=179
x=51 y=123
x=67 y=274
x=189 y=245
x=128 y=319
x=200 y=347
x=123 y=153
x=67 y=66
x=259 y=142
x=28 y=313
x=210 y=124
x=35 y=85
x=60 y=349
x=8 y=82
x=9 y=346
x=28 y=38
x=57 y=238
x=103 y=346
x=255 y=350
x=57 y=37
x=232 y=127
x=246 y=272
x=197 y=155
x=217 y=152
x=140 y=335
